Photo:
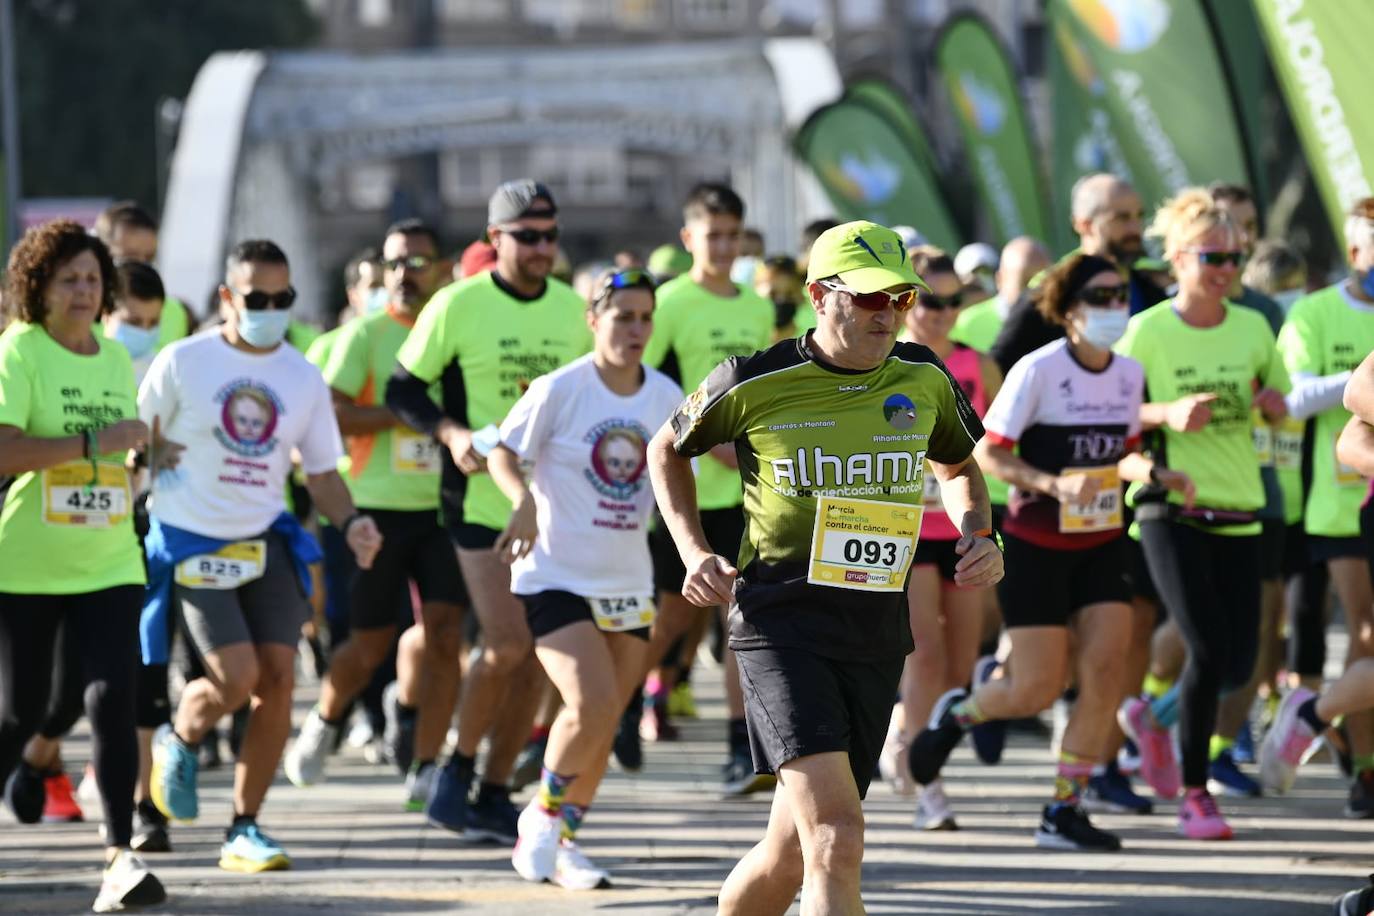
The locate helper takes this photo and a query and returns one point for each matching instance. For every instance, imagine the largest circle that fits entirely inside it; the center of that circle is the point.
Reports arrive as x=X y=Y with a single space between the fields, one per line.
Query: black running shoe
x=150 y=829
x=1358 y=902
x=1361 y=801
x=493 y=817
x=25 y=793
x=932 y=747
x=1066 y=826
x=990 y=737
x=628 y=747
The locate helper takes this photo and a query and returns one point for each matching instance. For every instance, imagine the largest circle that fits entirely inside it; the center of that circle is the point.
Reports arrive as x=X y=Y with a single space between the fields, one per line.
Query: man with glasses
x=235 y=403
x=832 y=429
x=393 y=474
x=482 y=341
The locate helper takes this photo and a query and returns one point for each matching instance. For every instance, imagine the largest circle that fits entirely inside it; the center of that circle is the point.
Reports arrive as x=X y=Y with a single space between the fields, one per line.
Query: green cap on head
x=865 y=256
x=667 y=261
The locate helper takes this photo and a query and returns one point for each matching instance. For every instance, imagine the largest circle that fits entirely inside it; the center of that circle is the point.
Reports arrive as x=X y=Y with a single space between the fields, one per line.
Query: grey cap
x=519 y=198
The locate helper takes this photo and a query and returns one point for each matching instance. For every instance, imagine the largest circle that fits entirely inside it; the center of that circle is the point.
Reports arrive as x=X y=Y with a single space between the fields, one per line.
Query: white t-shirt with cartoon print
x=590 y=480
x=240 y=416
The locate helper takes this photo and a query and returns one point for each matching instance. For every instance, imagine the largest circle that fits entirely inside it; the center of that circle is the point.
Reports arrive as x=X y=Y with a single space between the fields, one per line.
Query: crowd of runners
x=902 y=494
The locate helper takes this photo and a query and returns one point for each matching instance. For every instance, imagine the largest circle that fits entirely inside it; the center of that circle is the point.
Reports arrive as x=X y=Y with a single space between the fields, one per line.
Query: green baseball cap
x=865 y=256
x=667 y=261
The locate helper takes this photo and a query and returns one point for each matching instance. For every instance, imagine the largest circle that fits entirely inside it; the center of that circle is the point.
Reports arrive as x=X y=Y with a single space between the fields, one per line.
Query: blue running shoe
x=1244 y=749
x=175 y=770
x=1225 y=778
x=493 y=818
x=989 y=738
x=248 y=850
x=1110 y=792
x=448 y=801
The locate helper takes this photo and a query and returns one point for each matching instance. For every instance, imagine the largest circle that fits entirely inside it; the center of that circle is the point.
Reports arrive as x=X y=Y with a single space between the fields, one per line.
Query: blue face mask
x=138 y=341
x=376 y=300
x=264 y=328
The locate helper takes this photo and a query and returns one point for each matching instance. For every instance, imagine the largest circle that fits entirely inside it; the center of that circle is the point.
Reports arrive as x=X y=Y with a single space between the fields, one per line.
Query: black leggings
x=102 y=635
x=1210 y=584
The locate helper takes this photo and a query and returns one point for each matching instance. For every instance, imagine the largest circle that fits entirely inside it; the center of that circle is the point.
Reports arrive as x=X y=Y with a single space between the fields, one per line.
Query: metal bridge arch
x=260 y=131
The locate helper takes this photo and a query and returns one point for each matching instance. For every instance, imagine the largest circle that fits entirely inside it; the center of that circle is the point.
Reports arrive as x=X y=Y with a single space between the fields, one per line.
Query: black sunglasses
x=414 y=262
x=1220 y=258
x=533 y=236
x=939 y=303
x=1104 y=295
x=257 y=301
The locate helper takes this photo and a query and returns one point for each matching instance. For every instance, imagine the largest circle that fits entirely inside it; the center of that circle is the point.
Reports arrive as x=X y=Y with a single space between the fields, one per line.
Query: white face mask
x=1103 y=327
x=376 y=300
x=264 y=328
x=1286 y=298
x=743 y=270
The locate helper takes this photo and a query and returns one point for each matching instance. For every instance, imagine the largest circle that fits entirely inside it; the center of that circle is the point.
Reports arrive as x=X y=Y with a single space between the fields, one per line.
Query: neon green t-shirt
x=500 y=343
x=978 y=325
x=1232 y=360
x=698 y=330
x=301 y=335
x=1327 y=333
x=62 y=530
x=394 y=468
x=174 y=324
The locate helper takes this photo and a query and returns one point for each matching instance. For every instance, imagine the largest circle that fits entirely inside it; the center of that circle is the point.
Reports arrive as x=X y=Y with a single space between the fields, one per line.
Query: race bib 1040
x=863 y=544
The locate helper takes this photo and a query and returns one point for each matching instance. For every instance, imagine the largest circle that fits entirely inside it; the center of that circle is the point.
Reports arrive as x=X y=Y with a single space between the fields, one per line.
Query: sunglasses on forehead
x=257 y=301
x=531 y=236
x=630 y=278
x=1214 y=258
x=1104 y=295
x=875 y=301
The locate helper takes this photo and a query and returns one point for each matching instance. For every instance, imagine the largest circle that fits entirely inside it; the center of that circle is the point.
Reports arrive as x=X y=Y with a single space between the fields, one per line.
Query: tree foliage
x=91 y=74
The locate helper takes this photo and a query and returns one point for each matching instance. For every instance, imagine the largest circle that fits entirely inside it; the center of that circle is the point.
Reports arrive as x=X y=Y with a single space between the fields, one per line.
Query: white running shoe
x=305 y=760
x=127 y=884
x=892 y=765
x=932 y=808
x=1287 y=743
x=536 y=855
x=575 y=872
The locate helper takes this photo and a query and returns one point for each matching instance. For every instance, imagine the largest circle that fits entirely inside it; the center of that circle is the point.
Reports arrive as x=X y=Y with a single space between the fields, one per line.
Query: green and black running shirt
x=804 y=430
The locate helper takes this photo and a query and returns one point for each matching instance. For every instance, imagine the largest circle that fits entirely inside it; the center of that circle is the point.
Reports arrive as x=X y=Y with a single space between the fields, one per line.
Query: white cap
x=910 y=236
x=973 y=258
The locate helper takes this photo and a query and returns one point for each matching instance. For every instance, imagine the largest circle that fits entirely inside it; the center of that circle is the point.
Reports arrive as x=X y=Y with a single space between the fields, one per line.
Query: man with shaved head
x=1108 y=217
x=978 y=325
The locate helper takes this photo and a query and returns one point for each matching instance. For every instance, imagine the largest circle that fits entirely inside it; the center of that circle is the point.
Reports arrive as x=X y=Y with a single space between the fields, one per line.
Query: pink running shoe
x=1158 y=765
x=1283 y=747
x=1199 y=818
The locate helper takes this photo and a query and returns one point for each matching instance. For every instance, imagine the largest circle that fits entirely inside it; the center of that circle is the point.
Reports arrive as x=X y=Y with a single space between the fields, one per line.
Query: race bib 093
x=863 y=544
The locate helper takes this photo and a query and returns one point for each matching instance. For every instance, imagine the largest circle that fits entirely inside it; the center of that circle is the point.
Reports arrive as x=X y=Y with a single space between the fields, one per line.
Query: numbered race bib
x=1103 y=513
x=930 y=492
x=1264 y=441
x=227 y=568
x=71 y=497
x=1346 y=476
x=616 y=615
x=1288 y=445
x=863 y=544
x=413 y=453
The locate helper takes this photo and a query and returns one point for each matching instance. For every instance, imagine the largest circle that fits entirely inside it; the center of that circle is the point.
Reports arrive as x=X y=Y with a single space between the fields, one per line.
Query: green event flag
x=984 y=93
x=1165 y=89
x=1083 y=138
x=1250 y=76
x=888 y=100
x=869 y=171
x=1318 y=51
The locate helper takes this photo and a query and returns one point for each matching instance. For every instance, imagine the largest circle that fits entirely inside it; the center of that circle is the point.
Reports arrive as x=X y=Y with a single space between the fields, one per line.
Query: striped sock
x=552 y=788
x=572 y=819
x=1071 y=777
x=967 y=713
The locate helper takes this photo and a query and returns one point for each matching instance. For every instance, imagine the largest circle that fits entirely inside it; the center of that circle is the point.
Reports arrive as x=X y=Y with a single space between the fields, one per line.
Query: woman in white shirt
x=578 y=545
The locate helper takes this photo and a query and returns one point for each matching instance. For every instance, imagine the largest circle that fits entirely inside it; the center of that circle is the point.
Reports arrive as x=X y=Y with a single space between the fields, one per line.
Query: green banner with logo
x=888 y=100
x=1318 y=48
x=1083 y=138
x=1164 y=87
x=983 y=91
x=1251 y=80
x=867 y=167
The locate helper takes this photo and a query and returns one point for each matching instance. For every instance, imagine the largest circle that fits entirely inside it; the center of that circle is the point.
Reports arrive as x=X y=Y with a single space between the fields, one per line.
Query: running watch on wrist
x=991 y=535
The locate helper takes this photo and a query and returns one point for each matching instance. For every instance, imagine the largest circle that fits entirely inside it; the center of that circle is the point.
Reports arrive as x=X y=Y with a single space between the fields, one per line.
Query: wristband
x=348 y=523
x=1154 y=474
x=90 y=445
x=991 y=535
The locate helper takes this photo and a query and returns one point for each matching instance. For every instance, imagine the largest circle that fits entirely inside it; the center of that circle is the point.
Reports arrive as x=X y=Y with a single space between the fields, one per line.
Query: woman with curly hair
x=69 y=557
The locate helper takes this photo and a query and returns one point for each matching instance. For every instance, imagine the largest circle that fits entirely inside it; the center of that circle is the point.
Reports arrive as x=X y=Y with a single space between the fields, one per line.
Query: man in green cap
x=831 y=430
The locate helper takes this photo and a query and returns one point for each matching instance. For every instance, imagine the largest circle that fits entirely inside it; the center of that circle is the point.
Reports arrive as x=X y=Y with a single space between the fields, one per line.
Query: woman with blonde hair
x=1208 y=364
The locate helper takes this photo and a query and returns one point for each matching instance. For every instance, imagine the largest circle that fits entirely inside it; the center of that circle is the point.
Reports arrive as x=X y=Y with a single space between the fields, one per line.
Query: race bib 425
x=76 y=496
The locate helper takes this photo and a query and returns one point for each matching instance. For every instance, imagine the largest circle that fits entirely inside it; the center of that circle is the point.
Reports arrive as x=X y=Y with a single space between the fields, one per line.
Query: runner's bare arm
x=521 y=531
x=1355 y=447
x=1004 y=464
x=1143 y=469
x=1359 y=391
x=332 y=498
x=710 y=578
x=20 y=453
x=965 y=494
x=360 y=420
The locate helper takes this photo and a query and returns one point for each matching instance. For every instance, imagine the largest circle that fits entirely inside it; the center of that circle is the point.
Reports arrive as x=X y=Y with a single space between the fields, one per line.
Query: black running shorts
x=414 y=546
x=1043 y=587
x=939 y=554
x=798 y=703
x=724 y=531
x=553 y=610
